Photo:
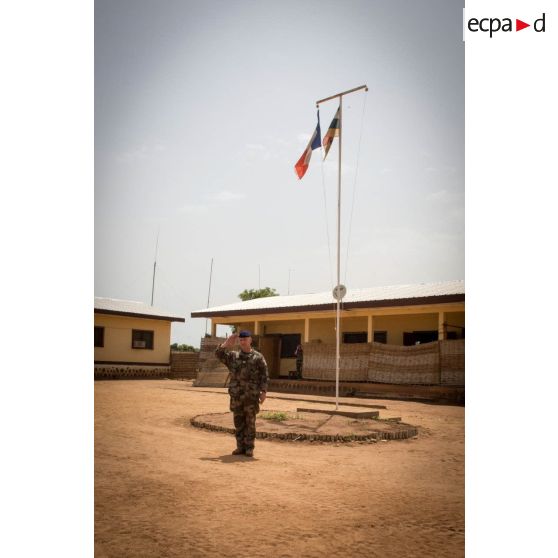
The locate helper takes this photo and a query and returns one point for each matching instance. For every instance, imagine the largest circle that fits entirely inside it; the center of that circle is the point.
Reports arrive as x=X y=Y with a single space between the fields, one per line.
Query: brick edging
x=293 y=436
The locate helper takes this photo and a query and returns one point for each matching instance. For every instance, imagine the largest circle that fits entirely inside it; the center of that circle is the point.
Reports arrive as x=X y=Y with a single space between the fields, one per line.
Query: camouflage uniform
x=247 y=380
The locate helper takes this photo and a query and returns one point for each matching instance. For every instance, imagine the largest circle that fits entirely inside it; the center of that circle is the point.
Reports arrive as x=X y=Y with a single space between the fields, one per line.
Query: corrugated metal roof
x=133 y=308
x=355 y=297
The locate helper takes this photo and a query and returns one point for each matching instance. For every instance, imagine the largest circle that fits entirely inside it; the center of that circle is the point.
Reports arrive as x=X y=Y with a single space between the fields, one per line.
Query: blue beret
x=245 y=333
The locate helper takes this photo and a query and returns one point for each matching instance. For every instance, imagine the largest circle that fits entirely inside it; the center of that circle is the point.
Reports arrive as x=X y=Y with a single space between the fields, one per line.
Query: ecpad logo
x=493 y=25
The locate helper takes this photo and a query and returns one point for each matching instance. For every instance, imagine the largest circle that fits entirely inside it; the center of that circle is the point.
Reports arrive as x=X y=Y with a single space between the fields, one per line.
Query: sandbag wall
x=319 y=361
x=184 y=364
x=211 y=372
x=437 y=363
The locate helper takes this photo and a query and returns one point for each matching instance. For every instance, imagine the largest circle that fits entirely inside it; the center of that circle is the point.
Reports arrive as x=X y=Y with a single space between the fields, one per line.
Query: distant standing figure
x=247 y=388
x=299 y=358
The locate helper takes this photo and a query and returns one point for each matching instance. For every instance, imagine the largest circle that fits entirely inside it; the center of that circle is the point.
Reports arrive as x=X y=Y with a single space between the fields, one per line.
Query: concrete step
x=350 y=414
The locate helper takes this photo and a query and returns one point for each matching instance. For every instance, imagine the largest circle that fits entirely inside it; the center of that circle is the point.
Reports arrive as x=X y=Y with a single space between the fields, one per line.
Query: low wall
x=184 y=364
x=121 y=371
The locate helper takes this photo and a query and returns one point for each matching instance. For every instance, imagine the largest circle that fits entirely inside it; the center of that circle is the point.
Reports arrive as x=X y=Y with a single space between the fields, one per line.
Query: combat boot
x=249 y=453
x=238 y=451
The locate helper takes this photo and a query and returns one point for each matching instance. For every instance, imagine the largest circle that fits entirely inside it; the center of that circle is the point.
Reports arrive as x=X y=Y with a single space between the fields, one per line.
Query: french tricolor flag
x=315 y=141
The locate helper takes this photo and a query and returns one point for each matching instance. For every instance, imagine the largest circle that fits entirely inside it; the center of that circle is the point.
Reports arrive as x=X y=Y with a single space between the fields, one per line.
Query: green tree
x=183 y=348
x=249 y=294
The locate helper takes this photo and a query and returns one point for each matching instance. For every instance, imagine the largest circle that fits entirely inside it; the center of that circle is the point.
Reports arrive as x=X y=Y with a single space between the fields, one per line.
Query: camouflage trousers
x=245 y=409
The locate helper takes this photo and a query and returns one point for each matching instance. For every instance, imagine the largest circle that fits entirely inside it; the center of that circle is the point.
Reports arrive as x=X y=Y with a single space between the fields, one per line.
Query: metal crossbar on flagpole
x=341 y=94
x=339 y=290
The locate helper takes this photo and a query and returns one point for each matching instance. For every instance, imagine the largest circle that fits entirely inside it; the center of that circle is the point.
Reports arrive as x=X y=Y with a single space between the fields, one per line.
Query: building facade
x=401 y=315
x=131 y=336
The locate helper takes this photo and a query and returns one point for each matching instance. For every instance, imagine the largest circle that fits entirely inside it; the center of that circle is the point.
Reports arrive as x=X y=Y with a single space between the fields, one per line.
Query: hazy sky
x=203 y=108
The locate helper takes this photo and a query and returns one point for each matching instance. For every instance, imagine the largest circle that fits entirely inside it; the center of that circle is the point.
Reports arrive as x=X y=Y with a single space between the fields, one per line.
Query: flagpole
x=337 y=319
x=338 y=290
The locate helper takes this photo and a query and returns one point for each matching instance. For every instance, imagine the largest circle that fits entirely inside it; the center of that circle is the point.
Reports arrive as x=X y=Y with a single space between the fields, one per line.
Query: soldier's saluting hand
x=230 y=341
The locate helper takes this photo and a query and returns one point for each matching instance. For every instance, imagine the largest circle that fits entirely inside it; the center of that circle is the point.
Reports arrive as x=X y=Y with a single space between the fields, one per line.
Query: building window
x=380 y=337
x=289 y=341
x=99 y=336
x=419 y=337
x=454 y=331
x=142 y=339
x=355 y=337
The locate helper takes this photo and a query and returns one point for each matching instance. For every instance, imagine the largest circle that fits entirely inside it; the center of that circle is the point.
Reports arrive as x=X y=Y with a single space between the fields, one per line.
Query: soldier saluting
x=247 y=387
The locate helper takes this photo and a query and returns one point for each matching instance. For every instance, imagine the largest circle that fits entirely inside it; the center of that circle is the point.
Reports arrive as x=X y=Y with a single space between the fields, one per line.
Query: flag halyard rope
x=354 y=187
x=327 y=225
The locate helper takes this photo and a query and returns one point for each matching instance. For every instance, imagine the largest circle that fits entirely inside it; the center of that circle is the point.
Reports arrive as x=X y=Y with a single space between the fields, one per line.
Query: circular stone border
x=405 y=434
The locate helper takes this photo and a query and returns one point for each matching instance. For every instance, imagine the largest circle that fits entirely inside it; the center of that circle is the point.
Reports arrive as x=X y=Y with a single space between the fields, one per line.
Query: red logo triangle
x=519 y=25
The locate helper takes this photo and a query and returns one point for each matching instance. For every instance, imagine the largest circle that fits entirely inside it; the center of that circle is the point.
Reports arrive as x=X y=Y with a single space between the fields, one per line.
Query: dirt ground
x=164 y=488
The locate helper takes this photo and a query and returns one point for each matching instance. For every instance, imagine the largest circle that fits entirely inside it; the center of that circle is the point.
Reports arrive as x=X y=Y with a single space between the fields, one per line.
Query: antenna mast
x=154 y=267
x=209 y=291
x=289 y=283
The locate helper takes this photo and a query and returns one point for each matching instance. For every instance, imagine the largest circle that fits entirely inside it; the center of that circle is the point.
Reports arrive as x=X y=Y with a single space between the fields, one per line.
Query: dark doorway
x=270 y=347
x=289 y=342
